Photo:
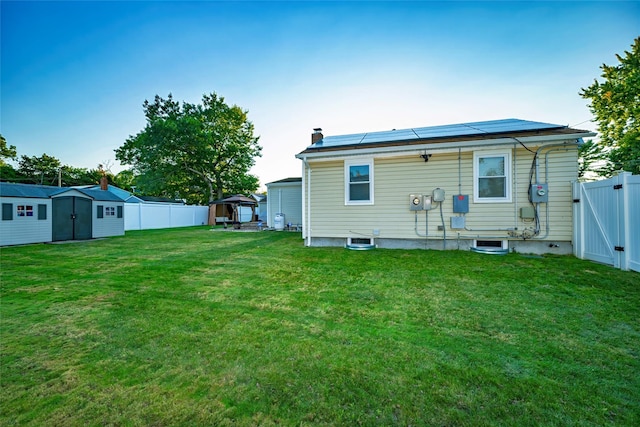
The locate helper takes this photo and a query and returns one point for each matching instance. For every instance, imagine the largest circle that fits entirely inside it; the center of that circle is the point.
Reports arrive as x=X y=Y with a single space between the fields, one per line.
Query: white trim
x=347 y=182
x=507 y=174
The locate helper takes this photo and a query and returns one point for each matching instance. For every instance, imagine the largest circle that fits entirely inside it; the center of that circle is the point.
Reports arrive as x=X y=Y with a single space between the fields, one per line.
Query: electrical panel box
x=458 y=222
x=416 y=202
x=461 y=203
x=539 y=193
x=438 y=195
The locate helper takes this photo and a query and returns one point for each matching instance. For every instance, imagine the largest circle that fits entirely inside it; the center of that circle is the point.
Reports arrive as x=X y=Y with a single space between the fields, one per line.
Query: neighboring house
x=491 y=186
x=40 y=213
x=261 y=207
x=285 y=197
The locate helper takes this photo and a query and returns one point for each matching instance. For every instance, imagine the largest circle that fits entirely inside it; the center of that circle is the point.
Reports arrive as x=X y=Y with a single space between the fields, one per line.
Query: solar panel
x=429 y=132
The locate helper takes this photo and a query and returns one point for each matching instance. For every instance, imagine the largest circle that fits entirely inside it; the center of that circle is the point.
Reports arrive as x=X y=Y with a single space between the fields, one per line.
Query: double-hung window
x=358 y=178
x=492 y=177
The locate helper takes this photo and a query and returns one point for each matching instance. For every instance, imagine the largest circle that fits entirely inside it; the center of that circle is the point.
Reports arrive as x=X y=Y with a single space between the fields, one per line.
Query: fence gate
x=606 y=226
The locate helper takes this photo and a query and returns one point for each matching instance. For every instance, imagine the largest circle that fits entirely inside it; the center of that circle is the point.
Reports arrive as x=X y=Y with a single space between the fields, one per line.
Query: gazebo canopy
x=237 y=199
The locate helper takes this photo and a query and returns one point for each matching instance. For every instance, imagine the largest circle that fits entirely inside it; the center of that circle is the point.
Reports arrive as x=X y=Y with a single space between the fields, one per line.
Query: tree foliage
x=6 y=151
x=197 y=152
x=615 y=103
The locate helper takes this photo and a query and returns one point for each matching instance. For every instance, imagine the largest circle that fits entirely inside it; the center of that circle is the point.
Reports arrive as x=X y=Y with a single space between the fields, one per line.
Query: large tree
x=199 y=152
x=39 y=170
x=615 y=103
x=6 y=151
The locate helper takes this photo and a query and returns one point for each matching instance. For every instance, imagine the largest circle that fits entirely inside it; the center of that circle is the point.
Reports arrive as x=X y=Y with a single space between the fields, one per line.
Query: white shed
x=39 y=213
x=285 y=197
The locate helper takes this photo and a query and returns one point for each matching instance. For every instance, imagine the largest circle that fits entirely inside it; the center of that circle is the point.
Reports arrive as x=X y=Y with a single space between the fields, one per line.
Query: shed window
x=110 y=211
x=42 y=212
x=358 y=182
x=7 y=211
x=492 y=176
x=25 y=210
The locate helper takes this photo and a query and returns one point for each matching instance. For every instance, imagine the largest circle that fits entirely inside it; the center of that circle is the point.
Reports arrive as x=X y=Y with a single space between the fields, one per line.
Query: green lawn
x=199 y=327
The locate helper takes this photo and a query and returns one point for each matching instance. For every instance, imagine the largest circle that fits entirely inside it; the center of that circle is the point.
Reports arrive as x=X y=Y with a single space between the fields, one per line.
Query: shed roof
x=286 y=180
x=446 y=133
x=11 y=189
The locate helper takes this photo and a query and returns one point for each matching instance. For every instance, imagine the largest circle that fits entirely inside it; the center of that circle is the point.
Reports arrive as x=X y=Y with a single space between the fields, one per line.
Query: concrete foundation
x=537 y=247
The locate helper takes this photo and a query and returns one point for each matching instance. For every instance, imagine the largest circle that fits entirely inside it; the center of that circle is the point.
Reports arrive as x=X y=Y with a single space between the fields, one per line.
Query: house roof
x=487 y=130
x=10 y=189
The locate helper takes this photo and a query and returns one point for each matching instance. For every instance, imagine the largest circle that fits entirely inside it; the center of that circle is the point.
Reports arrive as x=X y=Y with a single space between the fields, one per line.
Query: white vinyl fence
x=606 y=218
x=141 y=216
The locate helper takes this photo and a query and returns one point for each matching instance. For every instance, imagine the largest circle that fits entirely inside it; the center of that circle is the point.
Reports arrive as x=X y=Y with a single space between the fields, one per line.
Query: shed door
x=71 y=218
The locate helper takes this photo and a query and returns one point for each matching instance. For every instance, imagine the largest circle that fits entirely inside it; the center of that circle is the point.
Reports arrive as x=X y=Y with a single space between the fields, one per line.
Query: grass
x=196 y=327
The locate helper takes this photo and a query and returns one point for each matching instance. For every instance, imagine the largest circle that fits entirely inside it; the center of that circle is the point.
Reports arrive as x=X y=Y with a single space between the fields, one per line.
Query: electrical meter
x=438 y=195
x=539 y=193
x=415 y=202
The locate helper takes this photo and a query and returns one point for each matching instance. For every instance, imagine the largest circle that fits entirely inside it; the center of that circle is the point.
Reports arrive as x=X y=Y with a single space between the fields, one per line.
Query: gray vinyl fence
x=142 y=216
x=606 y=218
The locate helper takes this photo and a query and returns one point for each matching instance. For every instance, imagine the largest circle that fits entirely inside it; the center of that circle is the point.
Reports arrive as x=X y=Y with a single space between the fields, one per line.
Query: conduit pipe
x=426 y=215
x=554 y=147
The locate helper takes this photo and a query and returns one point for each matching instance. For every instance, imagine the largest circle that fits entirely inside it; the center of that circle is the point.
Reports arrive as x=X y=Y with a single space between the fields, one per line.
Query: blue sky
x=74 y=75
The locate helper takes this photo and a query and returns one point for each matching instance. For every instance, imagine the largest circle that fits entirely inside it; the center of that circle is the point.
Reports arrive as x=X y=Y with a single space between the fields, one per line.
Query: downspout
x=515 y=185
x=306 y=229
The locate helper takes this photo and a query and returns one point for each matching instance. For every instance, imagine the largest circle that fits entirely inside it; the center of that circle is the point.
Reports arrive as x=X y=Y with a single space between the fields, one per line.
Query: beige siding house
x=493 y=186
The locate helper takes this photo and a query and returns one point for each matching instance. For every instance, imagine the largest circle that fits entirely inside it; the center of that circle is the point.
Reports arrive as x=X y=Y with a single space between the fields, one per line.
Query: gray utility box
x=527 y=212
x=539 y=193
x=458 y=222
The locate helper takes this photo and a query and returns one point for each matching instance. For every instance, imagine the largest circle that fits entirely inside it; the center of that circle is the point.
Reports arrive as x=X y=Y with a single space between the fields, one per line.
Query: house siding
x=398 y=177
x=25 y=230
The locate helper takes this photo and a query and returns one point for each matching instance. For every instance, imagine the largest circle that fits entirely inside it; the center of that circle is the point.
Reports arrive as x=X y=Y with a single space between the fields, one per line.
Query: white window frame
x=477 y=155
x=347 y=183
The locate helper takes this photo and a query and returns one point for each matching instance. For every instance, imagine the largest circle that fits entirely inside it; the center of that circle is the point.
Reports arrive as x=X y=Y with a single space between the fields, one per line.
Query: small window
x=491 y=244
x=119 y=211
x=358 y=182
x=42 y=212
x=25 y=211
x=492 y=176
x=100 y=213
x=7 y=211
x=110 y=211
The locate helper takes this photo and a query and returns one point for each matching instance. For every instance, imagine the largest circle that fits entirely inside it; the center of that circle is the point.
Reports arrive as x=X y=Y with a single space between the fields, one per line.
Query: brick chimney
x=104 y=183
x=316 y=135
